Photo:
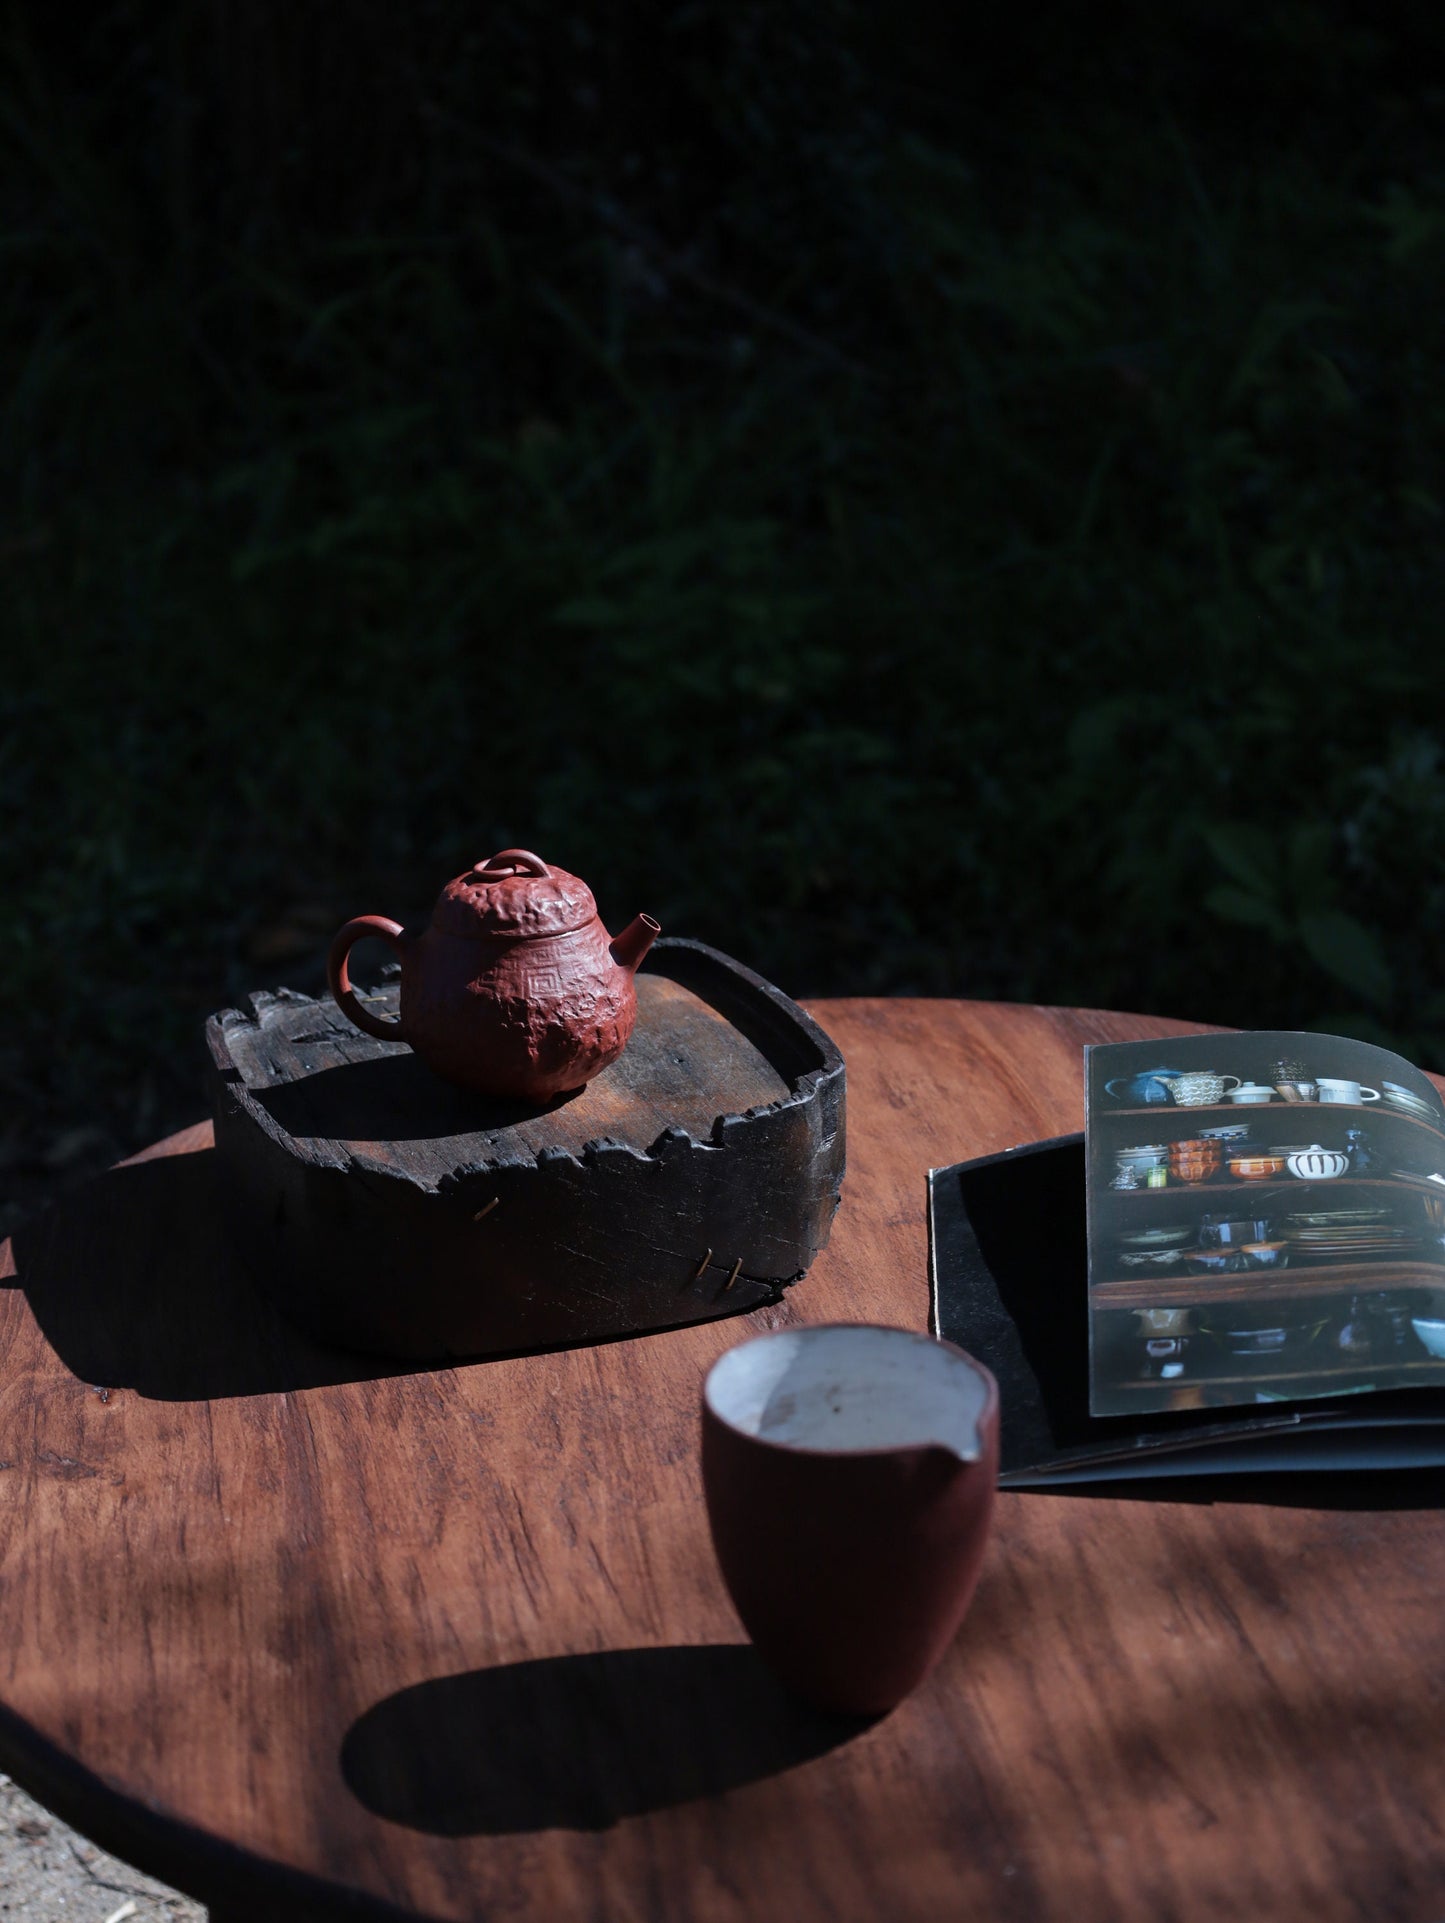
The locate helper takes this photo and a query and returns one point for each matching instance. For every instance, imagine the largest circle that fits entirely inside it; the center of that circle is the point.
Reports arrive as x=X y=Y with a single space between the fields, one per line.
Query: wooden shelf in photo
x=1233 y=1185
x=1153 y=1291
x=1425 y=1367
x=1251 y=1111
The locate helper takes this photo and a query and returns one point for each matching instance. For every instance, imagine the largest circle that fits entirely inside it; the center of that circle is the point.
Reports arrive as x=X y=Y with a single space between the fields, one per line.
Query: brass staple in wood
x=697 y=1272
x=733 y=1275
x=488 y=1209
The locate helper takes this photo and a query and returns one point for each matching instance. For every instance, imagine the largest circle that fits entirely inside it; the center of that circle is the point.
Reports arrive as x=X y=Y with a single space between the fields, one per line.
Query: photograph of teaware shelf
x=1279 y=1234
x=1019 y=1300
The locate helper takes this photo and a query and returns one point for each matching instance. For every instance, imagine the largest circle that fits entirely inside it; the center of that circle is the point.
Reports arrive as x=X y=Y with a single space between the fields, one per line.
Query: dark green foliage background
x=930 y=513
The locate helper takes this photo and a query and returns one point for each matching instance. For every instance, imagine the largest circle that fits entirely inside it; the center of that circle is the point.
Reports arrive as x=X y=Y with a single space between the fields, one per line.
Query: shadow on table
x=135 y=1285
x=580 y=1742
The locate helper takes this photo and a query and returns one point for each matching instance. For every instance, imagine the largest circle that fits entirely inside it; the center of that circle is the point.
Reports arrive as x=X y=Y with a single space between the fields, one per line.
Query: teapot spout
x=634 y=941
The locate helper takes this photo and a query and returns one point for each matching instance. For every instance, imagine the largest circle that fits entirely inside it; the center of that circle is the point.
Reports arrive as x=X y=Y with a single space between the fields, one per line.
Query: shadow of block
x=135 y=1284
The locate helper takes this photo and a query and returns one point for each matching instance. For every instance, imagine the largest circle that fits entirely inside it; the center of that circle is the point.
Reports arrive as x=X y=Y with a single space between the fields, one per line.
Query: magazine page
x=1008 y=1280
x=1266 y=1222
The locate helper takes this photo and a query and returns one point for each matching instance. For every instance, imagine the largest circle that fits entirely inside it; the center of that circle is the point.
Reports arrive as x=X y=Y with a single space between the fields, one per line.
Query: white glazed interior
x=849 y=1389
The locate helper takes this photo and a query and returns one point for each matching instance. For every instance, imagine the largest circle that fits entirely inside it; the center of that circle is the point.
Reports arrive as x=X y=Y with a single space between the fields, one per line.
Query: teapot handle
x=510 y=860
x=339 y=977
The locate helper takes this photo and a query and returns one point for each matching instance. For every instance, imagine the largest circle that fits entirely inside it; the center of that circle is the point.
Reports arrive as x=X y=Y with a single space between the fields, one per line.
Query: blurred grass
x=931 y=518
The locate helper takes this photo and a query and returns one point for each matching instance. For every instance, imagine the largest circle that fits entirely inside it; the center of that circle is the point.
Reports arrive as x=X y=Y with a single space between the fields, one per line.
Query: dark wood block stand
x=387 y=1210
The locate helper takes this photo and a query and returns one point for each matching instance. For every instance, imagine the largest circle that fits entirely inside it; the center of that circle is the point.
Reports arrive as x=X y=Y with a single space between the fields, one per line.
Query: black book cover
x=1008 y=1260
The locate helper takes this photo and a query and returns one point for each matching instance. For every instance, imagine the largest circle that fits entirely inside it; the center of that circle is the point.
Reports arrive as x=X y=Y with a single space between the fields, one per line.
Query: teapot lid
x=514 y=894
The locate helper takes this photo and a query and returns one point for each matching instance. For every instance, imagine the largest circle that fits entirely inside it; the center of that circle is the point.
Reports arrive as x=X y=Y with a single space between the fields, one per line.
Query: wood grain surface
x=309 y=1640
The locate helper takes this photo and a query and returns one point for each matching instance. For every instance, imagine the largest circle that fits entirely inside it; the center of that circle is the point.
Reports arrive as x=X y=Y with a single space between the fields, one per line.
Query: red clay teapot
x=515 y=988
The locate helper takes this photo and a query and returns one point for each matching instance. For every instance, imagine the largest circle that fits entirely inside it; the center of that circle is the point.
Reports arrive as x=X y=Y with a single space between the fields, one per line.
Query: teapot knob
x=510 y=861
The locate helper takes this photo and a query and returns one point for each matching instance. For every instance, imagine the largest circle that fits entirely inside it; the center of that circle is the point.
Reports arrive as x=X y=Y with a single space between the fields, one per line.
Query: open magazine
x=1241 y=1265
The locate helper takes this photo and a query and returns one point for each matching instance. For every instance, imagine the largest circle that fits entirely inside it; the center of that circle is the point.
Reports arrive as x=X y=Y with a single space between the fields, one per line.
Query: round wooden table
x=308 y=1639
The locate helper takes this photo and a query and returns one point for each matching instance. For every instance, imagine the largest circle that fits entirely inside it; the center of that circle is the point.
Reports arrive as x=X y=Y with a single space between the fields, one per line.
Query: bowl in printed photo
x=1214 y=1261
x=1316 y=1164
x=1266 y=1255
x=1156 y=1238
x=1202 y=1089
x=1217 y=1230
x=1258 y=1165
x=1165 y=1322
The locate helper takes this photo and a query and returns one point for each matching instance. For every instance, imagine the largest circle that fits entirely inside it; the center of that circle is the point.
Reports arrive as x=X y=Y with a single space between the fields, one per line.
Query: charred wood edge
x=804 y=1055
